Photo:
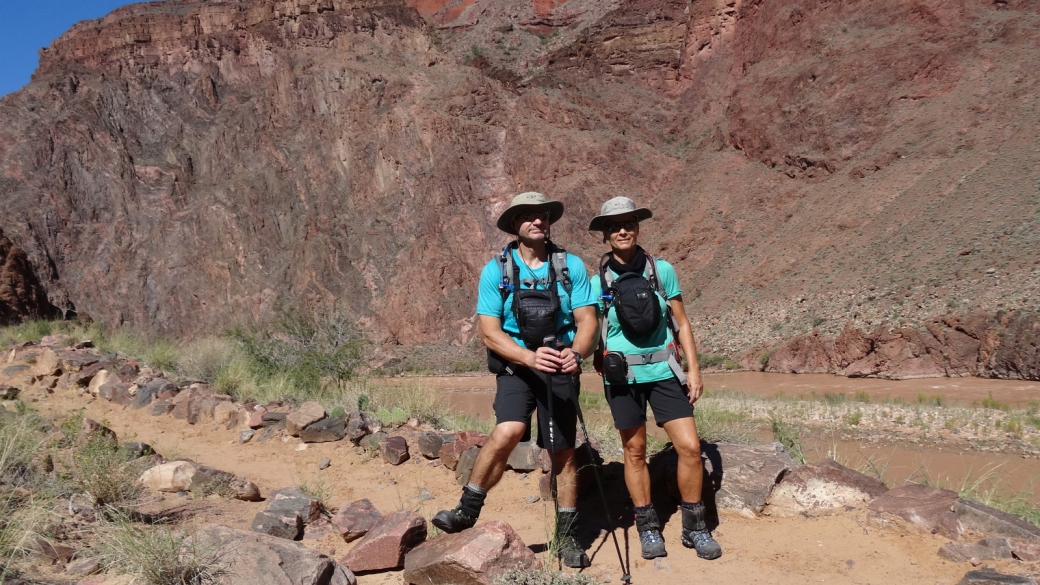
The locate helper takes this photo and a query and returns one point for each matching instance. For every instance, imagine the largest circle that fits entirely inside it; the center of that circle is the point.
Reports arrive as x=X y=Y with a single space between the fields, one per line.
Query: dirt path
x=832 y=548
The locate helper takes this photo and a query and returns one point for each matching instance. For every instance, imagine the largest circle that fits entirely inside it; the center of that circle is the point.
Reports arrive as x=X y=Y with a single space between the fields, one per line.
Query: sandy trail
x=841 y=548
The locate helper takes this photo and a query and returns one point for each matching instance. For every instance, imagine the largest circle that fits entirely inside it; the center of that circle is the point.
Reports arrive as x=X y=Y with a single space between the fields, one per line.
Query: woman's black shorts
x=628 y=402
x=519 y=394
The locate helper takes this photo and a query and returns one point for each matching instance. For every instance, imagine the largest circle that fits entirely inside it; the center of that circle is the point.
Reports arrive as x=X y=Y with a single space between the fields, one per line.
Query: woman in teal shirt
x=642 y=314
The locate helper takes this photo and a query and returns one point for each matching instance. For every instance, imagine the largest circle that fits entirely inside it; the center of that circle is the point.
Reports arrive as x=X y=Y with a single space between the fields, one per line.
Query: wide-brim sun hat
x=615 y=207
x=530 y=201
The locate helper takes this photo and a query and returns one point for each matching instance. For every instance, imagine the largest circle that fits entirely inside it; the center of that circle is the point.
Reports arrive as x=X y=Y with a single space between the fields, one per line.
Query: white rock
x=223 y=412
x=175 y=476
x=99 y=380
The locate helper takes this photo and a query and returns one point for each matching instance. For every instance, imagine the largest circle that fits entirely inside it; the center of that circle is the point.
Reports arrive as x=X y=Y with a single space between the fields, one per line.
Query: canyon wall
x=184 y=166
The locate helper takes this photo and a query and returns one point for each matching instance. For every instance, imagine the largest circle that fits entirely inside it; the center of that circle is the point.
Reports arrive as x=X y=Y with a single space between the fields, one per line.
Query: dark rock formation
x=21 y=294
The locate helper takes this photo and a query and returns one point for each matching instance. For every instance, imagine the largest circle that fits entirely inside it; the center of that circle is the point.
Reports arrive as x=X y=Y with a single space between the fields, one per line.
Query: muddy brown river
x=946 y=466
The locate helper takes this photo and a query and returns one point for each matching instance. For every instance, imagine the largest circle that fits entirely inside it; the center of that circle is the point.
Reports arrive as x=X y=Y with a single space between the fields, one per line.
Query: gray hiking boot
x=566 y=541
x=695 y=533
x=650 y=538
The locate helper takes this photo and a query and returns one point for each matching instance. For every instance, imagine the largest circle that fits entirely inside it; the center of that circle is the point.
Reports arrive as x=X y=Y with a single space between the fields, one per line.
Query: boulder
x=175 y=476
x=298 y=419
x=116 y=393
x=451 y=452
x=47 y=364
x=204 y=409
x=99 y=380
x=1027 y=551
x=211 y=481
x=145 y=394
x=371 y=442
x=245 y=490
x=430 y=444
x=260 y=559
x=385 y=546
x=465 y=465
x=15 y=370
x=225 y=411
x=356 y=427
x=926 y=508
x=355 y=519
x=289 y=527
x=273 y=419
x=394 y=450
x=293 y=501
x=976 y=516
x=525 y=457
x=988 y=576
x=85 y=376
x=73 y=360
x=471 y=557
x=160 y=408
x=987 y=549
x=822 y=485
x=325 y=430
x=82 y=568
x=256 y=419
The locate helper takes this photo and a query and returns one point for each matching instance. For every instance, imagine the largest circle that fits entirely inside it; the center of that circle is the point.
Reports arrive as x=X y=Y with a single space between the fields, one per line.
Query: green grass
x=158 y=555
x=106 y=473
x=990 y=402
x=787 y=434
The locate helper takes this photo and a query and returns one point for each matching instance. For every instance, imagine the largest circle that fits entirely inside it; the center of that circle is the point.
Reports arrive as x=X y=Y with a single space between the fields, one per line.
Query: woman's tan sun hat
x=529 y=201
x=614 y=207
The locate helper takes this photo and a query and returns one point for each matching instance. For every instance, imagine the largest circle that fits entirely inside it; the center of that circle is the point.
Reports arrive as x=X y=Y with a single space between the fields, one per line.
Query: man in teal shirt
x=534 y=291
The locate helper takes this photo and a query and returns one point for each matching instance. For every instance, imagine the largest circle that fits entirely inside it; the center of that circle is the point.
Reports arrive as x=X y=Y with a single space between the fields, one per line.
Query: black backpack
x=634 y=298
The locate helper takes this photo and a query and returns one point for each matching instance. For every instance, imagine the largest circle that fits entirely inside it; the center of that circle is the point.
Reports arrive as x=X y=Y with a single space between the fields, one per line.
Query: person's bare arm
x=586 y=322
x=545 y=359
x=689 y=348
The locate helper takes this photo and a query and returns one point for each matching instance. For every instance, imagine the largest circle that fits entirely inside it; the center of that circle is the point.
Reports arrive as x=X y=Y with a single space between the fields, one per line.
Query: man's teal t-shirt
x=616 y=340
x=491 y=303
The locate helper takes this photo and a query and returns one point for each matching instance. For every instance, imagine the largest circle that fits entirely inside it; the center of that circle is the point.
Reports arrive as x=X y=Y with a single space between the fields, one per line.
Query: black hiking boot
x=695 y=533
x=462 y=516
x=566 y=541
x=650 y=538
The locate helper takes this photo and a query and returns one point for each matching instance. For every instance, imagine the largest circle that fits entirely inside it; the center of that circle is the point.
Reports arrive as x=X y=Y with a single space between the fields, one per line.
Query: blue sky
x=27 y=26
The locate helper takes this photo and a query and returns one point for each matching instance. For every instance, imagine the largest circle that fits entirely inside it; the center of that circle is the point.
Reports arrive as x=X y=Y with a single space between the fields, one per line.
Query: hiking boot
x=566 y=541
x=454 y=520
x=649 y=528
x=462 y=516
x=695 y=533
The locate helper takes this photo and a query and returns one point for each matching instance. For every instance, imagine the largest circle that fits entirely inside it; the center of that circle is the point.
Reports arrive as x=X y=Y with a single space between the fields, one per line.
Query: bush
x=536 y=577
x=853 y=418
x=709 y=360
x=107 y=474
x=158 y=554
x=305 y=346
x=787 y=435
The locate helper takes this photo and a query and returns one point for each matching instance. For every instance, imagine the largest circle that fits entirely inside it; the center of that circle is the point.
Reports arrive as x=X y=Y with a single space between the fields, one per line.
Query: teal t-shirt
x=616 y=340
x=491 y=303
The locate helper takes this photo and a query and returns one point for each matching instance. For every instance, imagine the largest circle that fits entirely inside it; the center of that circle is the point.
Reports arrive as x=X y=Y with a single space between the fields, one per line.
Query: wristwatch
x=578 y=359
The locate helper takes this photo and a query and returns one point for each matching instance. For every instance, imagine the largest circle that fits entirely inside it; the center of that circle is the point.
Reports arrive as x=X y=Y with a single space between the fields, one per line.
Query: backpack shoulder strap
x=606 y=279
x=651 y=273
x=507 y=268
x=558 y=261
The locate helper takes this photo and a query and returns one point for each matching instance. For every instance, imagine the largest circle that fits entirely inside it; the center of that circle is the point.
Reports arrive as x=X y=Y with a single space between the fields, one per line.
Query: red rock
x=355 y=519
x=385 y=546
x=474 y=556
x=394 y=450
x=256 y=418
x=1027 y=551
x=450 y=452
x=22 y=296
x=89 y=429
x=922 y=506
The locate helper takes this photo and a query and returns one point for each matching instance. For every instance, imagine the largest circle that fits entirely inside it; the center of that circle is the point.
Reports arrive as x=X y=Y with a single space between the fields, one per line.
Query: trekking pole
x=550 y=341
x=626 y=574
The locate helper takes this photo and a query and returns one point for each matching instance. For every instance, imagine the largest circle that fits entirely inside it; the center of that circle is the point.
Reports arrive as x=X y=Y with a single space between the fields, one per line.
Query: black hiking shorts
x=519 y=394
x=628 y=402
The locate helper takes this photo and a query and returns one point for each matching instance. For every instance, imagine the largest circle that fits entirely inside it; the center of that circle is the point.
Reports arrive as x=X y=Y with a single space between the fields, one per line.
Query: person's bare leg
x=491 y=462
x=695 y=533
x=683 y=434
x=566 y=479
x=637 y=477
x=487 y=471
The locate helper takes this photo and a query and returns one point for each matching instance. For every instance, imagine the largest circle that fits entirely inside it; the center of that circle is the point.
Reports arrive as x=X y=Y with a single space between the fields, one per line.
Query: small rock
x=478 y=555
x=465 y=465
x=533 y=499
x=325 y=430
x=385 y=546
x=175 y=476
x=245 y=490
x=324 y=463
x=307 y=413
x=989 y=576
x=355 y=519
x=430 y=444
x=451 y=452
x=394 y=450
x=301 y=447
x=83 y=567
x=525 y=457
x=246 y=435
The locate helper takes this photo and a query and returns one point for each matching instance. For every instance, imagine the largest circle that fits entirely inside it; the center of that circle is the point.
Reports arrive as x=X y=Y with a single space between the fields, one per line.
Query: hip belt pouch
x=536 y=314
x=615 y=368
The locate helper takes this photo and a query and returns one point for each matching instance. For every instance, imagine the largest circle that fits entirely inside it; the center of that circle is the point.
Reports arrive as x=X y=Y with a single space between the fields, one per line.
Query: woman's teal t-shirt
x=616 y=340
x=491 y=303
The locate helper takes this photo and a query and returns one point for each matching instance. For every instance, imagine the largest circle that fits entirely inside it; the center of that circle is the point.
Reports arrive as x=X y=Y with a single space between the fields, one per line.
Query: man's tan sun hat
x=614 y=207
x=529 y=201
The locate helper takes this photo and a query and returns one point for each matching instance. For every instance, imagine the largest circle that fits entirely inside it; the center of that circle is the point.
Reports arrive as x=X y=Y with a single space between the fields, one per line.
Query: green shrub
x=537 y=577
x=853 y=418
x=305 y=346
x=465 y=366
x=709 y=360
x=729 y=364
x=763 y=361
x=990 y=402
x=158 y=555
x=787 y=435
x=861 y=396
x=107 y=474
